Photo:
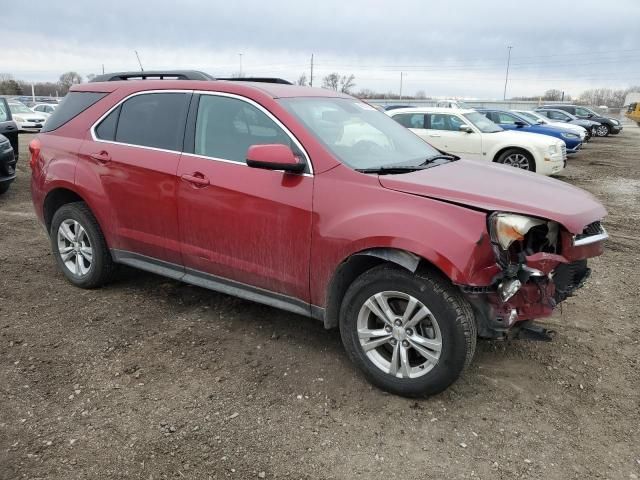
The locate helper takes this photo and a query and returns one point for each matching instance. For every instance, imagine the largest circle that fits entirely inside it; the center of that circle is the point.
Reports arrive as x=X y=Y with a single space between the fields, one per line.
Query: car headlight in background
x=18 y=119
x=569 y=135
x=506 y=228
x=615 y=122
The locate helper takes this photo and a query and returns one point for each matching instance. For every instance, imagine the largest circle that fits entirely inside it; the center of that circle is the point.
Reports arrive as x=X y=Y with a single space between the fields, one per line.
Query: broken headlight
x=506 y=228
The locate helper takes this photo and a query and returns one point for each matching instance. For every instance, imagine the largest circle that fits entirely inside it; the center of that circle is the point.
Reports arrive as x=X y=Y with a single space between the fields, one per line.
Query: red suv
x=314 y=202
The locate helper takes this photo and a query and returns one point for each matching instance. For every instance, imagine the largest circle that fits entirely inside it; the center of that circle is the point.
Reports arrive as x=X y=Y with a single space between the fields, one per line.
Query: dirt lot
x=150 y=378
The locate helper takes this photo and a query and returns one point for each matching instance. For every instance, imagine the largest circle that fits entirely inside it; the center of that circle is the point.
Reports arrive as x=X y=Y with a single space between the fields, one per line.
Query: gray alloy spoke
x=378 y=342
x=78 y=265
x=66 y=253
x=366 y=333
x=405 y=368
x=374 y=305
x=435 y=345
x=87 y=253
x=67 y=233
x=411 y=306
x=395 y=358
x=418 y=317
x=428 y=354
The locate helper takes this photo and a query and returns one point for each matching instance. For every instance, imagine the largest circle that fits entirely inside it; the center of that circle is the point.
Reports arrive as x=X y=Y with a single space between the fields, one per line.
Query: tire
x=517 y=158
x=4 y=187
x=602 y=130
x=76 y=231
x=450 y=321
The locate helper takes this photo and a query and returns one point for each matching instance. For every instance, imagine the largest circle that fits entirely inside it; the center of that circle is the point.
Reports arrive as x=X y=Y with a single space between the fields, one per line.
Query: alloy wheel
x=518 y=160
x=602 y=131
x=399 y=334
x=74 y=247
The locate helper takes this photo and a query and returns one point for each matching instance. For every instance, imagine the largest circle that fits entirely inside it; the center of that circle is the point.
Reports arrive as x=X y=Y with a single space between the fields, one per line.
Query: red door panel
x=249 y=225
x=140 y=186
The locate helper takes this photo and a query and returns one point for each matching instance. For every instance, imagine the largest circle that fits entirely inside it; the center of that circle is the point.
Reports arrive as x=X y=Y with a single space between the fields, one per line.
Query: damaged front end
x=540 y=264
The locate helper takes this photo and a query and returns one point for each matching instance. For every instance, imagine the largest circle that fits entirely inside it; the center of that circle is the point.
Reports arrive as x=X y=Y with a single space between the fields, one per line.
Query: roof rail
x=257 y=79
x=154 y=74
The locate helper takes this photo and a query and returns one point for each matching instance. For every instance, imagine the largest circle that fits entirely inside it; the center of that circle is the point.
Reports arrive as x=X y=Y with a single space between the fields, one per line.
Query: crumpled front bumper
x=545 y=280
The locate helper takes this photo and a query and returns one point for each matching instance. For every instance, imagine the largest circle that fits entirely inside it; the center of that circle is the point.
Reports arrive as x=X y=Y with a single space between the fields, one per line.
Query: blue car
x=513 y=121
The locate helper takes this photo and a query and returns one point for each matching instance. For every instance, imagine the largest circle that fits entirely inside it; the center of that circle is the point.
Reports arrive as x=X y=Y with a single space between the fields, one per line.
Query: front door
x=247 y=225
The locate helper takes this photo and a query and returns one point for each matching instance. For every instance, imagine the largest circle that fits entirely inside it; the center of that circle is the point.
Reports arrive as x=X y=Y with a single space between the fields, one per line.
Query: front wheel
x=410 y=334
x=602 y=131
x=515 y=157
x=4 y=187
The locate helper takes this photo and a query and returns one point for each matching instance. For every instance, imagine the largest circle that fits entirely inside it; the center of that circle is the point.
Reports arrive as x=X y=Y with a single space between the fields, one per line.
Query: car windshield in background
x=19 y=108
x=482 y=123
x=359 y=135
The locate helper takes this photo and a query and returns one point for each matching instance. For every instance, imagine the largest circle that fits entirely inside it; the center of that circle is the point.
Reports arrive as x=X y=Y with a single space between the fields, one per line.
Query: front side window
x=439 y=121
x=4 y=116
x=152 y=120
x=357 y=134
x=226 y=128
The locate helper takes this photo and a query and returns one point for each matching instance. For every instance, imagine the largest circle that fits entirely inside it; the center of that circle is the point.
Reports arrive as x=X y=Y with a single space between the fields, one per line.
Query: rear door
x=8 y=127
x=248 y=225
x=135 y=150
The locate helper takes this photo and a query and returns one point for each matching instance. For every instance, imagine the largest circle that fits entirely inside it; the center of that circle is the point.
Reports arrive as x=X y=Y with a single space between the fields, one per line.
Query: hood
x=538 y=140
x=494 y=187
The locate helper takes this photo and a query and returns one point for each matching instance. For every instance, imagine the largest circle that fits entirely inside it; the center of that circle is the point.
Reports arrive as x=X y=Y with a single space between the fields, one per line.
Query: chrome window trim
x=293 y=138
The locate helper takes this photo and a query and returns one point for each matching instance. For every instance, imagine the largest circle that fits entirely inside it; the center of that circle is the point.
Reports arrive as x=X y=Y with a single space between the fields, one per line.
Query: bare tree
x=420 y=94
x=67 y=80
x=347 y=83
x=302 y=80
x=552 y=95
x=331 y=81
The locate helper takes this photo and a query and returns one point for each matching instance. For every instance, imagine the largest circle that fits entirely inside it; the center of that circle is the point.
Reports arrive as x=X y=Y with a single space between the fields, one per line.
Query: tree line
x=10 y=86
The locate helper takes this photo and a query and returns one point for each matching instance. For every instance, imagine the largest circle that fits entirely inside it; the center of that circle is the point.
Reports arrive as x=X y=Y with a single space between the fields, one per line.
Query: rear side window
x=151 y=120
x=410 y=120
x=107 y=128
x=71 y=106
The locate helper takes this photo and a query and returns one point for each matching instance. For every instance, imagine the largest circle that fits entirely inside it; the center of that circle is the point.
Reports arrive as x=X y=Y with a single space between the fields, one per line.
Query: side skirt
x=218 y=284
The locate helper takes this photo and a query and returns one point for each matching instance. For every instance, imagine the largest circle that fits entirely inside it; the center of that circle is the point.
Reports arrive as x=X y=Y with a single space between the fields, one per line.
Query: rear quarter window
x=71 y=106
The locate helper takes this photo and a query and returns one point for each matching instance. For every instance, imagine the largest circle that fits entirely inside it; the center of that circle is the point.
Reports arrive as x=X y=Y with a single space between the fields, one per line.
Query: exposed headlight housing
x=569 y=135
x=506 y=228
x=18 y=119
x=553 y=149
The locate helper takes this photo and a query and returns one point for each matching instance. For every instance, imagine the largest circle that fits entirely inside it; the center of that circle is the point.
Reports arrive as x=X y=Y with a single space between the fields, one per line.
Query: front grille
x=593 y=232
x=564 y=151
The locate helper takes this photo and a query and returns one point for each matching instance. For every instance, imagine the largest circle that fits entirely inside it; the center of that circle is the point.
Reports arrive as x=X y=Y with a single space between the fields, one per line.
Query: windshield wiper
x=391 y=169
x=440 y=156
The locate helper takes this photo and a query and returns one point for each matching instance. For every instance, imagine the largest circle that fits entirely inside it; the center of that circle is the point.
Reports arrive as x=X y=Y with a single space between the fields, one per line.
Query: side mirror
x=465 y=128
x=274 y=157
x=519 y=124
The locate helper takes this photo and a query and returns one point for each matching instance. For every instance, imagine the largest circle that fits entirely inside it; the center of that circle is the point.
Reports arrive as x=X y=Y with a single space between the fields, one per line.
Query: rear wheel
x=602 y=130
x=410 y=334
x=79 y=246
x=515 y=157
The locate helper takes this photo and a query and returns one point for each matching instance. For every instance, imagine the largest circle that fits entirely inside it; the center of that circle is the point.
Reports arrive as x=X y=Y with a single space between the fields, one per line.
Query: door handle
x=197 y=179
x=10 y=127
x=101 y=157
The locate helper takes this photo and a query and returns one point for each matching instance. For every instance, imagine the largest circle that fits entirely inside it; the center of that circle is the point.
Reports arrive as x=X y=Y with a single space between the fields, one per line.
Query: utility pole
x=240 y=55
x=139 y=62
x=33 y=92
x=401 y=75
x=311 y=77
x=506 y=78
x=103 y=68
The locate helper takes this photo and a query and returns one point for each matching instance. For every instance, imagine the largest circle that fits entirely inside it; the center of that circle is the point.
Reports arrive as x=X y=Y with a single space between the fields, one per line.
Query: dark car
x=556 y=115
x=607 y=125
x=8 y=127
x=7 y=164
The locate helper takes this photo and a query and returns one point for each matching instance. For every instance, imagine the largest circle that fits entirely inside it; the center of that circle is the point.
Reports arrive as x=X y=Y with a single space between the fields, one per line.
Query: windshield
x=482 y=123
x=533 y=117
x=19 y=108
x=359 y=135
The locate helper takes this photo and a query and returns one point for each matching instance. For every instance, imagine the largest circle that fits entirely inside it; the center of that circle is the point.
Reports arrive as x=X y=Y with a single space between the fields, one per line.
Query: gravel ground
x=149 y=378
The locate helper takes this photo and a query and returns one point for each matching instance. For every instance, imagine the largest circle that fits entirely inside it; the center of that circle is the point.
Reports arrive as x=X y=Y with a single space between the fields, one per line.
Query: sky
x=453 y=48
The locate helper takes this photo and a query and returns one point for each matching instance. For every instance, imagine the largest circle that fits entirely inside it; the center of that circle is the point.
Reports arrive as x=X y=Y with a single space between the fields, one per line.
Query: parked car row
x=8 y=146
x=315 y=202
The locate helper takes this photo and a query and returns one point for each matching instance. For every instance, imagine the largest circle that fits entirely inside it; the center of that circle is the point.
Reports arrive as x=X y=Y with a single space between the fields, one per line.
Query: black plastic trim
x=218 y=284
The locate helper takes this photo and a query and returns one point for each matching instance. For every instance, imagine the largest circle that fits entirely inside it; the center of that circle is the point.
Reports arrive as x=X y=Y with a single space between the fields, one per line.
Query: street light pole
x=240 y=55
x=401 y=75
x=506 y=78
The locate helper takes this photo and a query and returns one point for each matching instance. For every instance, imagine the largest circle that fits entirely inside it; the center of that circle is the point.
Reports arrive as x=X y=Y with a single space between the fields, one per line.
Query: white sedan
x=44 y=108
x=537 y=118
x=27 y=120
x=469 y=134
